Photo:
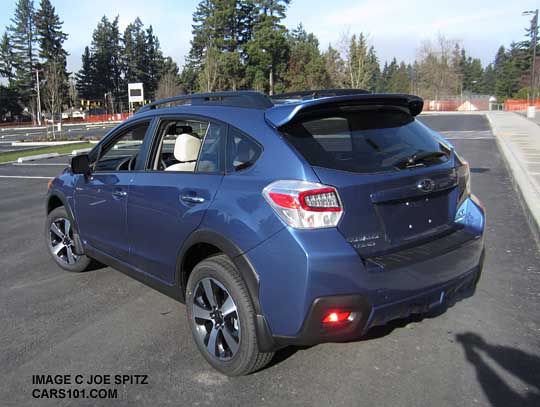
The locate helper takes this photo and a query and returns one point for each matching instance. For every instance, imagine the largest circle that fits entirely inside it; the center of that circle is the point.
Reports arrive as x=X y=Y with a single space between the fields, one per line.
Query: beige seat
x=186 y=150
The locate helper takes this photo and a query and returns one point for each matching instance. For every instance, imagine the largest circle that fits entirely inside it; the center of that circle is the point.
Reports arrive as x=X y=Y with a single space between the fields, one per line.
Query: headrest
x=244 y=152
x=186 y=147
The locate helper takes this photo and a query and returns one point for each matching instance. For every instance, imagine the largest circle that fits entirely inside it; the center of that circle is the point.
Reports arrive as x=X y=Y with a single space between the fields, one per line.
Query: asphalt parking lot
x=89 y=130
x=483 y=351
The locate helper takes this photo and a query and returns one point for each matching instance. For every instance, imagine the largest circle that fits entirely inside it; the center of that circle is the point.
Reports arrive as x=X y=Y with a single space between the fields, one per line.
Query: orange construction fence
x=97 y=118
x=107 y=117
x=519 y=104
x=455 y=105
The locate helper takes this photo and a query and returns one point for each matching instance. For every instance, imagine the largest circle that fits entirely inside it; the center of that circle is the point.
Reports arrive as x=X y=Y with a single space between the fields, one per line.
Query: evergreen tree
x=390 y=77
x=306 y=68
x=142 y=57
x=153 y=60
x=383 y=83
x=488 y=80
x=413 y=75
x=134 y=52
x=526 y=48
x=268 y=50
x=188 y=78
x=335 y=67
x=400 y=82
x=397 y=78
x=9 y=106
x=6 y=59
x=469 y=71
x=507 y=72
x=51 y=50
x=85 y=77
x=22 y=34
x=375 y=79
x=475 y=74
x=220 y=31
x=106 y=59
x=50 y=35
x=275 y=10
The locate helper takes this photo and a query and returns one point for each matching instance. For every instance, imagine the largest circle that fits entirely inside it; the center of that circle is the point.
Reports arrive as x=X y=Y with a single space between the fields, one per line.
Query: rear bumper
x=368 y=316
x=304 y=273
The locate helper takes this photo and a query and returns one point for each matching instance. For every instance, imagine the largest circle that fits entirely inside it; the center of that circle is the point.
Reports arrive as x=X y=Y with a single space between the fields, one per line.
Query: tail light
x=464 y=185
x=303 y=204
x=464 y=178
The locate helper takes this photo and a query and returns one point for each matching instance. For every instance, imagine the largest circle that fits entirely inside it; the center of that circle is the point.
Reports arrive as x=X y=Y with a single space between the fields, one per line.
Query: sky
x=396 y=28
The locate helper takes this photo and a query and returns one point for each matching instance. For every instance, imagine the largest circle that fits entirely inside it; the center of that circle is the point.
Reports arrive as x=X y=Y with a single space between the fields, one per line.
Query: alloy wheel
x=215 y=315
x=61 y=241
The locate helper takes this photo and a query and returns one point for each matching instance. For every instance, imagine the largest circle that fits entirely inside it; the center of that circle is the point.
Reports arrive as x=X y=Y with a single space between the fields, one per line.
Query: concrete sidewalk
x=519 y=142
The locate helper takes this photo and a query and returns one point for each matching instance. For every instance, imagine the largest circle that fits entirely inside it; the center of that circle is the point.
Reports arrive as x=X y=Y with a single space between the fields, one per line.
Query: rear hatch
x=398 y=183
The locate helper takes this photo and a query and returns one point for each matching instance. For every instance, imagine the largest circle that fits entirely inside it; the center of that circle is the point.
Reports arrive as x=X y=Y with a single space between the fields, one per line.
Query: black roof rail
x=314 y=94
x=250 y=99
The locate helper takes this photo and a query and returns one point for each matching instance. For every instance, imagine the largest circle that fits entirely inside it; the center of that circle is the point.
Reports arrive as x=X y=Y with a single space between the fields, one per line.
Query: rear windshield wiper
x=419 y=158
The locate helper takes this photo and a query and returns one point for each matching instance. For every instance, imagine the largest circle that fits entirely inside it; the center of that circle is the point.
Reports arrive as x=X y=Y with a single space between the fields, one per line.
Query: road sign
x=135 y=93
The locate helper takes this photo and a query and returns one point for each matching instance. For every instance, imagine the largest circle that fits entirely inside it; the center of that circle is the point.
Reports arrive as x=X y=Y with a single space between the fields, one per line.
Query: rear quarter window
x=363 y=140
x=242 y=150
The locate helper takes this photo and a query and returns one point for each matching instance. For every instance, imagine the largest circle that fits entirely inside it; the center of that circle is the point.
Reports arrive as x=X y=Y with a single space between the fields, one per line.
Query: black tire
x=222 y=272
x=67 y=261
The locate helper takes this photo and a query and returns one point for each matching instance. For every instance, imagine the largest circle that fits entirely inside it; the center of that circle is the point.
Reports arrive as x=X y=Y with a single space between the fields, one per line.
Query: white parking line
x=23 y=177
x=64 y=165
x=467 y=138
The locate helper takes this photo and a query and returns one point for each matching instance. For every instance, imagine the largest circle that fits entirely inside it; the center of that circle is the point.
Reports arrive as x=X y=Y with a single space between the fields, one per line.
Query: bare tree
x=210 y=73
x=437 y=76
x=52 y=91
x=359 y=67
x=168 y=86
x=73 y=93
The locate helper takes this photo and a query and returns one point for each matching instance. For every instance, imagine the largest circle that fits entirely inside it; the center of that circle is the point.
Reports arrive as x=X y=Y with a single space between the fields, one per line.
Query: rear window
x=362 y=139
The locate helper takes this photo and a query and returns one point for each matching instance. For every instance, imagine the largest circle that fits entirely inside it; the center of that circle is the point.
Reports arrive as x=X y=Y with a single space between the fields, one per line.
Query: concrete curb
x=37 y=157
x=451 y=112
x=45 y=143
x=524 y=187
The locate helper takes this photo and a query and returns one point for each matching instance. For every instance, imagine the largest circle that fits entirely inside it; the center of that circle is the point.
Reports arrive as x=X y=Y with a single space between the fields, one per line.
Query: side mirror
x=80 y=164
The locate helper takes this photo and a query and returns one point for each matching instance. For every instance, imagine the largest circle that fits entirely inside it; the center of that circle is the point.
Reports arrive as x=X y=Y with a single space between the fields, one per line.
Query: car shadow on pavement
x=479 y=170
x=520 y=364
x=374 y=333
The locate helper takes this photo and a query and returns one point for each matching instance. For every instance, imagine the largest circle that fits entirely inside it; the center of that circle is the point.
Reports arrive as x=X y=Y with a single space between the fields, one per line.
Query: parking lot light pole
x=534 y=26
x=38 y=99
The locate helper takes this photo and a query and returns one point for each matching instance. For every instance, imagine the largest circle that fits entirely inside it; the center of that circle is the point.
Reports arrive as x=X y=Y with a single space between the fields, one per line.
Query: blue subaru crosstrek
x=293 y=220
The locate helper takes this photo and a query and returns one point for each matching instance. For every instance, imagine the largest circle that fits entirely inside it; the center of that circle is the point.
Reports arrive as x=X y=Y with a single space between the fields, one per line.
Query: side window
x=243 y=151
x=188 y=146
x=121 y=155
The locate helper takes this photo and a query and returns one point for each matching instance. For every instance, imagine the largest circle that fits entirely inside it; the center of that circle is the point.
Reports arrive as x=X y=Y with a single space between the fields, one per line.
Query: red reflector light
x=335 y=317
x=284 y=200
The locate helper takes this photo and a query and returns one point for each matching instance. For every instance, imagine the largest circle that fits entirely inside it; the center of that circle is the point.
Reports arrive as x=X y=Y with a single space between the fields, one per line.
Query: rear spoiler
x=280 y=115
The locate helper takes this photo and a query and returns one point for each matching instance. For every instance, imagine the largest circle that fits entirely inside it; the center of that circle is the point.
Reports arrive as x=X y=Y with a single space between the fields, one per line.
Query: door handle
x=192 y=199
x=119 y=194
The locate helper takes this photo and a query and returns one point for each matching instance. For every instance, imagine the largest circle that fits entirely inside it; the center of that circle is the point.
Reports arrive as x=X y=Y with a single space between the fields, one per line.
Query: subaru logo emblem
x=426 y=185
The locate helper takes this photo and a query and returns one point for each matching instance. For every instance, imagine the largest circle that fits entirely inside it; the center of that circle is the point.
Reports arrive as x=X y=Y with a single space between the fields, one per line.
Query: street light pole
x=38 y=99
x=533 y=82
x=534 y=26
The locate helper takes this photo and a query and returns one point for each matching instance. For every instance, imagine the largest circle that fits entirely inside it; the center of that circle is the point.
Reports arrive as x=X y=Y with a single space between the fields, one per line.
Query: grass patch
x=13 y=155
